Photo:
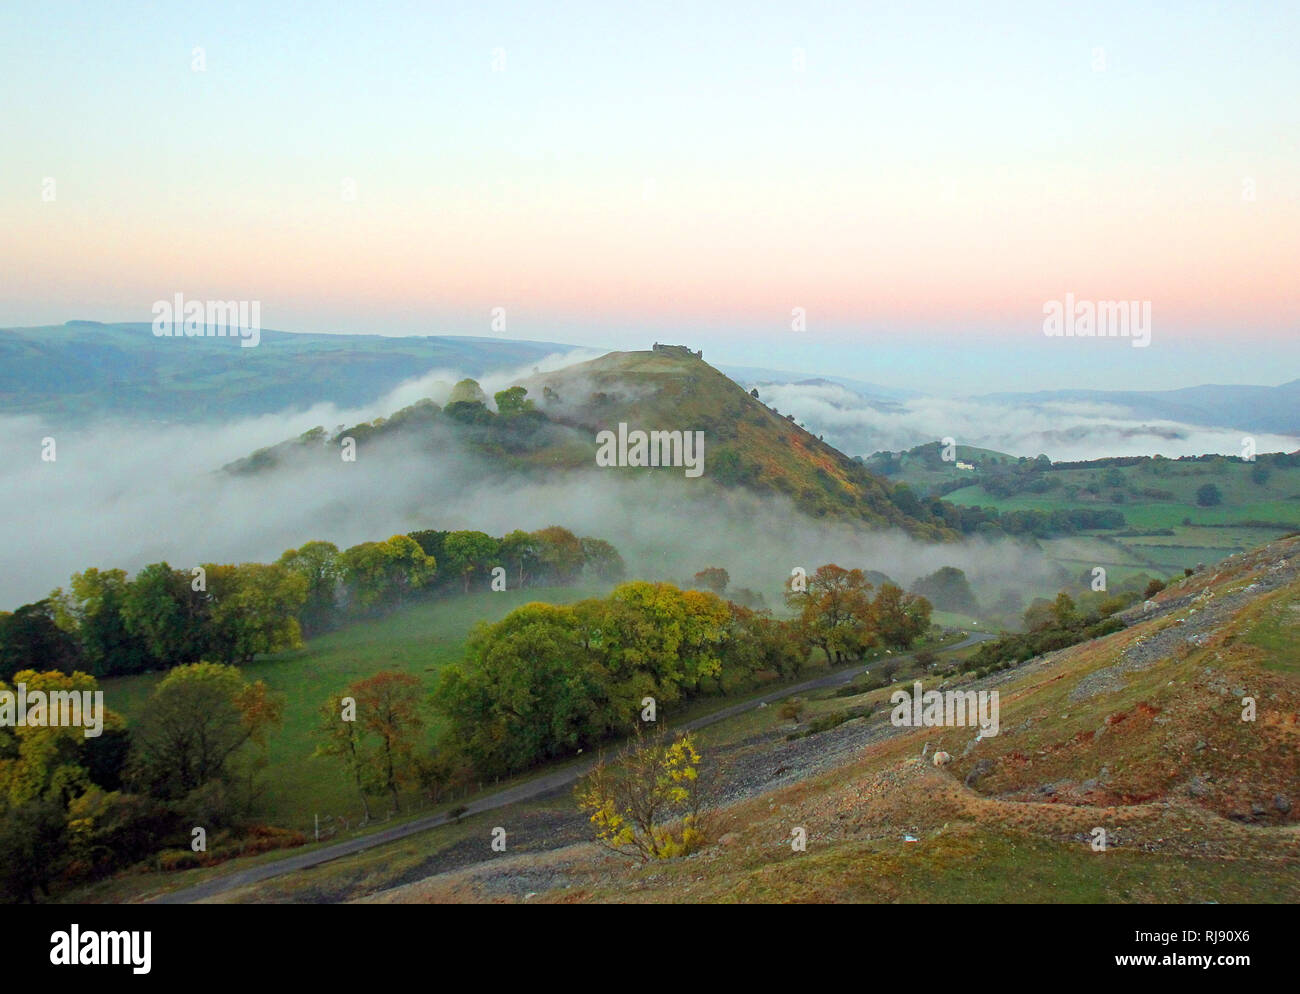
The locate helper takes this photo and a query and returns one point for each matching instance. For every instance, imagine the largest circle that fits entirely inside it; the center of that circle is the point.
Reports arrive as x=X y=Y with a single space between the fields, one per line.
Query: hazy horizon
x=916 y=184
x=978 y=367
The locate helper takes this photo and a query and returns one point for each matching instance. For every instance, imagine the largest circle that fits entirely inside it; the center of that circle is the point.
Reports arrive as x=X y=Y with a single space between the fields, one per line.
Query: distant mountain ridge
x=86 y=369
x=1251 y=408
x=756 y=375
x=83 y=369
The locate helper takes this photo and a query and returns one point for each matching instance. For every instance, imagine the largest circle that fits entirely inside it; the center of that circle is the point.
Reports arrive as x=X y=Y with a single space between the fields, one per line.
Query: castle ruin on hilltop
x=680 y=351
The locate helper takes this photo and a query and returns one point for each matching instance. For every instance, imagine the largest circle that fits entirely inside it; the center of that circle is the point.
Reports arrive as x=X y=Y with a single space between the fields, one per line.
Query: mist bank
x=1064 y=431
x=125 y=495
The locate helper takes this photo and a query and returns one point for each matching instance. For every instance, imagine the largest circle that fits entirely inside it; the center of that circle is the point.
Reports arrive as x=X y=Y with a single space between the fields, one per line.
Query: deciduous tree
x=389 y=708
x=198 y=719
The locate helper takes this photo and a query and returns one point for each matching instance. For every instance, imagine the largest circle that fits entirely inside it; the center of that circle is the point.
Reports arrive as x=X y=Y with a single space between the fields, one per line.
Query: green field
x=952 y=619
x=1251 y=514
x=421 y=640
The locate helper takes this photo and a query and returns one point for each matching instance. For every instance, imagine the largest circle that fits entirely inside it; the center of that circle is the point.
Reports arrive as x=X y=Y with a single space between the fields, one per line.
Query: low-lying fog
x=1065 y=432
x=122 y=495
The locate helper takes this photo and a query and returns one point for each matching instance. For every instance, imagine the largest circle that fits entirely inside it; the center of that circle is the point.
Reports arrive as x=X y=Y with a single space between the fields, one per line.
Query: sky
x=918 y=180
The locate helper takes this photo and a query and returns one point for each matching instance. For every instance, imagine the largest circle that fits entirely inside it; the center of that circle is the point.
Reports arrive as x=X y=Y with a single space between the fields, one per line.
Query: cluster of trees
x=1279 y=460
x=1009 y=478
x=837 y=614
x=1040 y=524
x=713 y=578
x=108 y=624
x=1056 y=624
x=551 y=556
x=1261 y=469
x=516 y=426
x=947 y=589
x=547 y=679
x=718 y=580
x=74 y=807
x=1105 y=462
x=377 y=576
x=990 y=521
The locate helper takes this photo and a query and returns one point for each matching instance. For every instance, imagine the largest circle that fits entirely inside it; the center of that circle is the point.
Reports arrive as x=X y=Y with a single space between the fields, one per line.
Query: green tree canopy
x=512 y=401
x=197 y=722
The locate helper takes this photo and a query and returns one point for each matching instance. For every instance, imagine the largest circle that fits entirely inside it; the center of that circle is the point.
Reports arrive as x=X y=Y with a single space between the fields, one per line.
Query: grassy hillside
x=746 y=443
x=924 y=469
x=1139 y=733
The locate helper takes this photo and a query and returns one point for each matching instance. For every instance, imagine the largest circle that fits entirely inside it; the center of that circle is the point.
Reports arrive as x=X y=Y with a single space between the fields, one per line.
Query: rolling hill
x=83 y=369
x=747 y=445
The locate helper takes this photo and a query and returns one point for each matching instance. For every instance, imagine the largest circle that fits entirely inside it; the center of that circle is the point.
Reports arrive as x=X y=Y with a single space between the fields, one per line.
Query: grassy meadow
x=420 y=639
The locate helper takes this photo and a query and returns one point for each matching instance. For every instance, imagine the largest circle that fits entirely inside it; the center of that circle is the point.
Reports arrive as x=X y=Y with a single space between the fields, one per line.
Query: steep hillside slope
x=1139 y=734
x=746 y=443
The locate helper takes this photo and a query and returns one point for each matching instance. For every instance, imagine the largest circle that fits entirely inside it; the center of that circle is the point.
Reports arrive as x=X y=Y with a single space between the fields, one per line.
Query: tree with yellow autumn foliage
x=647 y=803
